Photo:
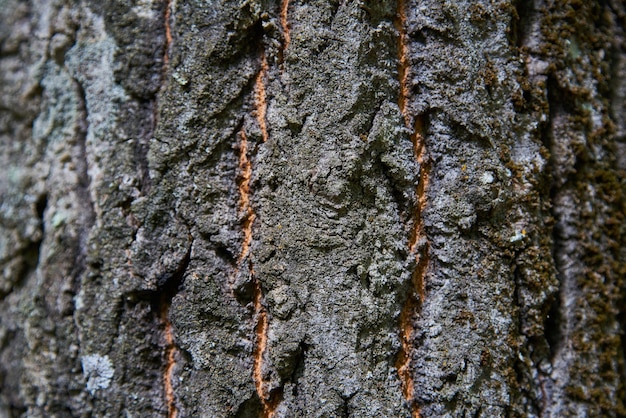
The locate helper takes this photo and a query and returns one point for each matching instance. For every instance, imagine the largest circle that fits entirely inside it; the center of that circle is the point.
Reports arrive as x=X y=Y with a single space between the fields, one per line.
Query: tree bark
x=254 y=208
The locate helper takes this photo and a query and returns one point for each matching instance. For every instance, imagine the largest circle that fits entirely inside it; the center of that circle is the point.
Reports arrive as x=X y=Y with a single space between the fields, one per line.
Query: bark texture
x=312 y=208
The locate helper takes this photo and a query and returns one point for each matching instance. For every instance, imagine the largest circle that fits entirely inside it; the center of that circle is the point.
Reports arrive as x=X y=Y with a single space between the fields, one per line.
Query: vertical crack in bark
x=284 y=10
x=403 y=60
x=165 y=295
x=31 y=253
x=82 y=164
x=269 y=400
x=245 y=208
x=554 y=320
x=521 y=24
x=83 y=191
x=145 y=173
x=418 y=244
x=243 y=184
x=260 y=99
x=269 y=404
x=167 y=14
x=171 y=287
x=168 y=34
x=170 y=362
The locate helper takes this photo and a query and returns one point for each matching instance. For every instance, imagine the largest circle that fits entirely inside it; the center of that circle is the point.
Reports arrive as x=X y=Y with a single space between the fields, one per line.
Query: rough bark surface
x=312 y=208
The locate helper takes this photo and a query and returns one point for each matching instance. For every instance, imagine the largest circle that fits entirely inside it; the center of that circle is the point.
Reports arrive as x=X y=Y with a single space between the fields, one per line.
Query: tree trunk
x=255 y=208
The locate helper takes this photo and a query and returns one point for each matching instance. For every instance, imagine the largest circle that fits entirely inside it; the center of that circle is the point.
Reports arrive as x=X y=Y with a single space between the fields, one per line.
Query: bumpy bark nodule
x=312 y=208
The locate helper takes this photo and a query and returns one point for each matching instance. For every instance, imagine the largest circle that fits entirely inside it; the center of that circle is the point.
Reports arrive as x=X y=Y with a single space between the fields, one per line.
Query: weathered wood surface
x=312 y=208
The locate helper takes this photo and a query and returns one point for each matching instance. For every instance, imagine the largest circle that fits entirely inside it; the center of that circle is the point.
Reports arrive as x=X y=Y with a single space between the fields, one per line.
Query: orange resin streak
x=168 y=32
x=403 y=61
x=260 y=99
x=166 y=57
x=284 y=8
x=261 y=344
x=412 y=306
x=170 y=362
x=170 y=346
x=245 y=173
x=421 y=256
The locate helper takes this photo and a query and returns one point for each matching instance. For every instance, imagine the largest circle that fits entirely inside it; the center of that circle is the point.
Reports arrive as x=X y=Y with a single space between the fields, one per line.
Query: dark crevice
x=621 y=320
x=558 y=100
x=335 y=5
x=398 y=195
x=616 y=106
x=17 y=410
x=479 y=412
x=243 y=288
x=517 y=300
x=553 y=332
x=250 y=407
x=552 y=326
x=248 y=38
x=614 y=81
x=347 y=410
x=40 y=208
x=82 y=165
x=276 y=397
x=360 y=107
x=141 y=145
x=151 y=103
x=298 y=370
x=88 y=215
x=521 y=24
x=419 y=37
x=31 y=253
x=525 y=382
x=19 y=114
x=169 y=284
x=424 y=34
x=222 y=251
